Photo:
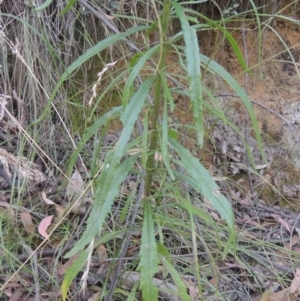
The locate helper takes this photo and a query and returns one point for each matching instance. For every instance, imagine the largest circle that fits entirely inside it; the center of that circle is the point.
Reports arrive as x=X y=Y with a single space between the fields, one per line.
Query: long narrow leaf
x=182 y=289
x=71 y=273
x=91 y=131
x=103 y=44
x=136 y=70
x=218 y=69
x=108 y=188
x=193 y=68
x=233 y=43
x=148 y=256
x=114 y=174
x=44 y=5
x=204 y=184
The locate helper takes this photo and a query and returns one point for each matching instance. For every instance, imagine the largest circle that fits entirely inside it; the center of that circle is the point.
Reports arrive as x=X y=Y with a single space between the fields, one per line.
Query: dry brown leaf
x=26 y=220
x=10 y=288
x=74 y=188
x=192 y=287
x=283 y=295
x=44 y=224
x=294 y=240
x=16 y=296
x=75 y=185
x=101 y=251
x=95 y=297
x=295 y=285
x=59 y=209
x=281 y=221
x=289 y=294
x=46 y=200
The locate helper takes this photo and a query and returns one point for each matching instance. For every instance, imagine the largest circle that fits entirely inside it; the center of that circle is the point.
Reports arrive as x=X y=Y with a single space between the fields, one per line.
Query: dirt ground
x=273 y=87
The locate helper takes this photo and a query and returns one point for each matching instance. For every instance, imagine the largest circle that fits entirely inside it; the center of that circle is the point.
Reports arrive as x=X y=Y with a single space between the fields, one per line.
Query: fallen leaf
x=16 y=296
x=75 y=185
x=282 y=295
x=44 y=224
x=281 y=221
x=192 y=287
x=294 y=240
x=26 y=220
x=295 y=285
x=74 y=188
x=101 y=252
x=95 y=297
x=46 y=200
x=59 y=209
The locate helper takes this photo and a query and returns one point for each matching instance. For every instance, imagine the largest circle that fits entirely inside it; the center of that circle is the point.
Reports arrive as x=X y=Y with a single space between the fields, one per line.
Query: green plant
x=116 y=168
x=175 y=203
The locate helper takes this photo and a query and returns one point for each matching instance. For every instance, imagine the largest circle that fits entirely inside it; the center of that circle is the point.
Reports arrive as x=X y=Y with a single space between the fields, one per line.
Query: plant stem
x=160 y=76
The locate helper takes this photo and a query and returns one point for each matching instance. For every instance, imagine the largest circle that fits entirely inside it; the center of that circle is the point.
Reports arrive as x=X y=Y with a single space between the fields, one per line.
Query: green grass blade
x=148 y=256
x=194 y=71
x=68 y=6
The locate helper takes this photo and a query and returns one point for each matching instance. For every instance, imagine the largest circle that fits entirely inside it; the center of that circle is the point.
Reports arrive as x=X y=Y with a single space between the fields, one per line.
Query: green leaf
x=135 y=105
x=203 y=183
x=92 y=130
x=194 y=71
x=145 y=140
x=164 y=142
x=233 y=43
x=113 y=174
x=148 y=256
x=103 y=44
x=136 y=71
x=218 y=69
x=191 y=210
x=71 y=273
x=107 y=190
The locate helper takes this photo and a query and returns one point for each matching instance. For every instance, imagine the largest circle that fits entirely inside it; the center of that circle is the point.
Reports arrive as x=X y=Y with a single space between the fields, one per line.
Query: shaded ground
x=273 y=87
